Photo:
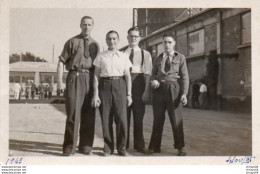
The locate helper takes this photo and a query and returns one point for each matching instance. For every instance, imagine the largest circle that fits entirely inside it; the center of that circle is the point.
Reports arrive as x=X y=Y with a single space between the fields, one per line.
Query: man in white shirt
x=203 y=95
x=140 y=74
x=112 y=93
x=17 y=88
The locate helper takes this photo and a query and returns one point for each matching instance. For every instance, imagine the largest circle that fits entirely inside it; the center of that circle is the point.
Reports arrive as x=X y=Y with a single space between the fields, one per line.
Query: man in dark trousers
x=140 y=74
x=33 y=89
x=112 y=89
x=78 y=55
x=170 y=83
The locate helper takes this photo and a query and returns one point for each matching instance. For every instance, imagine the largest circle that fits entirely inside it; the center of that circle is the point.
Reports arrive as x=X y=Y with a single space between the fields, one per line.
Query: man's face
x=133 y=38
x=86 y=26
x=112 y=40
x=168 y=44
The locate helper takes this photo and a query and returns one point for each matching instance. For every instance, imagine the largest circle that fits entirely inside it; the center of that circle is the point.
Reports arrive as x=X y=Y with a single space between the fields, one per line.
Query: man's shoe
x=86 y=151
x=106 y=154
x=181 y=152
x=67 y=153
x=151 y=151
x=123 y=153
x=143 y=150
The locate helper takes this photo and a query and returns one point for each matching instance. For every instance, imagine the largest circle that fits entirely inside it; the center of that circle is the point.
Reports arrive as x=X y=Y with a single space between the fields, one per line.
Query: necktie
x=167 y=65
x=131 y=57
x=86 y=49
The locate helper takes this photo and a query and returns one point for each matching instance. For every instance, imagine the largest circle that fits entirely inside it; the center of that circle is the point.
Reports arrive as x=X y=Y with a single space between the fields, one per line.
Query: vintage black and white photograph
x=116 y=82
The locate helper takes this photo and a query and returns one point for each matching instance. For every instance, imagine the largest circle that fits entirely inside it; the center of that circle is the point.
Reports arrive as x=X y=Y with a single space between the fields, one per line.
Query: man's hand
x=129 y=100
x=145 y=97
x=95 y=102
x=155 y=84
x=184 y=99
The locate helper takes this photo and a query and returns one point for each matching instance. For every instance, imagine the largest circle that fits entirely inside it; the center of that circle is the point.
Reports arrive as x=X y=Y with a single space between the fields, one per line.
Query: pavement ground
x=38 y=130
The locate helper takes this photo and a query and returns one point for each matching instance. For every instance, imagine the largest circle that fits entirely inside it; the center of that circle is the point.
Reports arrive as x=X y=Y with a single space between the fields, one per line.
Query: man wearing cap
x=170 y=83
x=140 y=75
x=112 y=93
x=78 y=55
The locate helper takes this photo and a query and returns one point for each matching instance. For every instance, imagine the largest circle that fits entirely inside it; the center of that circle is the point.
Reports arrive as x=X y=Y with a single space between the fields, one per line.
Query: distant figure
x=17 y=88
x=41 y=90
x=203 y=95
x=28 y=90
x=195 y=96
x=46 y=89
x=33 y=89
x=21 y=91
x=50 y=90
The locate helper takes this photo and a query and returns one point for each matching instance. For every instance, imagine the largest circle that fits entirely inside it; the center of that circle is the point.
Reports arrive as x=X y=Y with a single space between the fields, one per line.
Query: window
x=26 y=78
x=14 y=79
x=246 y=28
x=196 y=42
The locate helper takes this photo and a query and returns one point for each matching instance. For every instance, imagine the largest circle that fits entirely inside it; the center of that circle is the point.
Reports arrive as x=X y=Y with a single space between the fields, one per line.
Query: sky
x=37 y=30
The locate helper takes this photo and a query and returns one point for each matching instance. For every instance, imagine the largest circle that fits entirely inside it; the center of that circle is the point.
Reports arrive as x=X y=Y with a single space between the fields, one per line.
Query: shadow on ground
x=36 y=147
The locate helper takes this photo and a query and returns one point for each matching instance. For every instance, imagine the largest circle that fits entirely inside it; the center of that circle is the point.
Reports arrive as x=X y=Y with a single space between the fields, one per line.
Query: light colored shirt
x=17 y=87
x=137 y=61
x=112 y=63
x=203 y=88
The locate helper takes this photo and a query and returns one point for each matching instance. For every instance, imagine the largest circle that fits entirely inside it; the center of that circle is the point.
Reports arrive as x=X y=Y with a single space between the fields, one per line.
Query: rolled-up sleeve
x=97 y=61
x=128 y=63
x=184 y=76
x=148 y=65
x=66 y=52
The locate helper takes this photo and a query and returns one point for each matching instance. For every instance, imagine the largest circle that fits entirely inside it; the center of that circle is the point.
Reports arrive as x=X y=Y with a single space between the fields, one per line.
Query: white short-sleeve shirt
x=112 y=63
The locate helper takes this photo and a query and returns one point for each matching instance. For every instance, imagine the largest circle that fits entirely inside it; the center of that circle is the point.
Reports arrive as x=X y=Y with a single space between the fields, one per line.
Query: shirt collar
x=135 y=49
x=114 y=52
x=84 y=37
x=172 y=54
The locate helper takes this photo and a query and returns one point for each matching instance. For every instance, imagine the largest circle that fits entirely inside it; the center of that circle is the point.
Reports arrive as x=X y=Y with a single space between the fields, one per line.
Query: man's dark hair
x=169 y=35
x=113 y=31
x=133 y=29
x=86 y=17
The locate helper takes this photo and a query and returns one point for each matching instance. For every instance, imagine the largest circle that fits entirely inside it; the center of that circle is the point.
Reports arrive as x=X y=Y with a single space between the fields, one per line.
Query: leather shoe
x=123 y=153
x=106 y=154
x=85 y=151
x=151 y=151
x=67 y=153
x=181 y=152
x=141 y=150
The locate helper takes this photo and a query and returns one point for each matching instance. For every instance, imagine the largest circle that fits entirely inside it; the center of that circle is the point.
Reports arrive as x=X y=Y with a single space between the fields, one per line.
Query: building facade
x=39 y=72
x=150 y=20
x=217 y=46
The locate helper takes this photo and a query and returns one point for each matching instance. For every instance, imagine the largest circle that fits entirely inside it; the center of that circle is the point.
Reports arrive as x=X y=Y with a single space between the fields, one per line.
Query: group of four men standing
x=119 y=83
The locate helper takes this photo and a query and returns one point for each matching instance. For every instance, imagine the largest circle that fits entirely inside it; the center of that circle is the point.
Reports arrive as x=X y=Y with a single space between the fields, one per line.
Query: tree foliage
x=27 y=57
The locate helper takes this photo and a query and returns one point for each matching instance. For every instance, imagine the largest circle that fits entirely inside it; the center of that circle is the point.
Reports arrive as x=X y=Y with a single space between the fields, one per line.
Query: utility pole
x=53 y=54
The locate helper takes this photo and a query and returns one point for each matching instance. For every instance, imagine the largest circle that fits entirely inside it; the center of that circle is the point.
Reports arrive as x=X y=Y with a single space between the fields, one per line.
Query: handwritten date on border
x=241 y=160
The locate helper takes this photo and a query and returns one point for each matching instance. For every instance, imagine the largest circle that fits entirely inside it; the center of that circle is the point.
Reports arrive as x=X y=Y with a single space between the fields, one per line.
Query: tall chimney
x=135 y=17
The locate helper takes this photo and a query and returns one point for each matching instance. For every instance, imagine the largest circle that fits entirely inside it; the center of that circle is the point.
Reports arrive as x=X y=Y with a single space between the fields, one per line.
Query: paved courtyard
x=38 y=130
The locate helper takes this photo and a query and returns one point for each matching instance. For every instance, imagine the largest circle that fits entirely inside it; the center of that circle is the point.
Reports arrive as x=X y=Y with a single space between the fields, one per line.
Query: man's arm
x=184 y=80
x=95 y=100
x=128 y=86
x=154 y=83
x=59 y=74
x=147 y=68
